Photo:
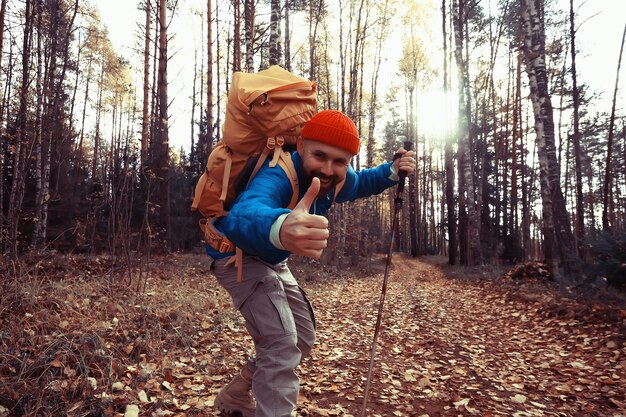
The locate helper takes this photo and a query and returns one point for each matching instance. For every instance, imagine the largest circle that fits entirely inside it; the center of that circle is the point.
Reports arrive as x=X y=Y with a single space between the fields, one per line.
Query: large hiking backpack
x=265 y=111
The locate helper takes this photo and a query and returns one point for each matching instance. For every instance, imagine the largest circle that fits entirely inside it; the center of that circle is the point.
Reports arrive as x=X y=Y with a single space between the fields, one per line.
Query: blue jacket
x=253 y=212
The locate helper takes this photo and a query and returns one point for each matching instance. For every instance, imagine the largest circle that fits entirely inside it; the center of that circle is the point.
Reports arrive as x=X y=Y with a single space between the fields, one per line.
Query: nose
x=327 y=168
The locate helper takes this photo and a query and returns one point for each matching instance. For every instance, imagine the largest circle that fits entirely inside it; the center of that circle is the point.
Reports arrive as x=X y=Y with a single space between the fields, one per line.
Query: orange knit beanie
x=332 y=127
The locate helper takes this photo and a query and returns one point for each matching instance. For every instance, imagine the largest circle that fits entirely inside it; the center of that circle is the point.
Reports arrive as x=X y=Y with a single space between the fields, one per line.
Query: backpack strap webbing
x=226 y=177
x=215 y=239
x=199 y=187
x=286 y=163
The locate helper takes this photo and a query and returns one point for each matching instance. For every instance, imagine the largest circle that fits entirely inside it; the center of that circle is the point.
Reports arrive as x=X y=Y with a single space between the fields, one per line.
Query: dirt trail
x=455 y=348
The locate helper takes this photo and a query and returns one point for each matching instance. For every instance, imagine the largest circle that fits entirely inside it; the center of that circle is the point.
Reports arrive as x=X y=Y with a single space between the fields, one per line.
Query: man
x=277 y=313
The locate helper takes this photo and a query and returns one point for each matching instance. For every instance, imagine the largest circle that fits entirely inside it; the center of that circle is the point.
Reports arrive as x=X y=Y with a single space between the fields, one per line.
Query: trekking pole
x=394 y=225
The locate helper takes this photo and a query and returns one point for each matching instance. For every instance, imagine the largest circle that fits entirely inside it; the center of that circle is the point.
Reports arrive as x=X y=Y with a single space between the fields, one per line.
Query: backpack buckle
x=225 y=247
x=271 y=142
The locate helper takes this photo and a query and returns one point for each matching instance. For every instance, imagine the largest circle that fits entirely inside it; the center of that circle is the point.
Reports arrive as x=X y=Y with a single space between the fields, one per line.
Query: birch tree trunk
x=466 y=193
x=217 y=74
x=274 y=50
x=248 y=16
x=163 y=142
x=557 y=233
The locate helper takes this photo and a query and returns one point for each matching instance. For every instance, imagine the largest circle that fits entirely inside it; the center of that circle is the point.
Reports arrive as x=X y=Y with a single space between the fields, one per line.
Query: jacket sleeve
x=250 y=219
x=366 y=182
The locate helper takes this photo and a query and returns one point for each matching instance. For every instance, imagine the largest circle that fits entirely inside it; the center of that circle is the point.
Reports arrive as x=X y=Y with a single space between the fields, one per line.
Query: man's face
x=324 y=161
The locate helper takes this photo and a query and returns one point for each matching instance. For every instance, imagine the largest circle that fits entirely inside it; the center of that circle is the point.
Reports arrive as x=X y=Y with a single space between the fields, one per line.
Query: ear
x=299 y=144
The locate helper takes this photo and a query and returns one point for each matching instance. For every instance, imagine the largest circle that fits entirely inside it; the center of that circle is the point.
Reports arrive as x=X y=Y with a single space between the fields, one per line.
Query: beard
x=327 y=182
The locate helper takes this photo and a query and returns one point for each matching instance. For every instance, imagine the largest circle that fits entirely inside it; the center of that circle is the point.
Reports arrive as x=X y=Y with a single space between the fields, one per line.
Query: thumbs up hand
x=303 y=233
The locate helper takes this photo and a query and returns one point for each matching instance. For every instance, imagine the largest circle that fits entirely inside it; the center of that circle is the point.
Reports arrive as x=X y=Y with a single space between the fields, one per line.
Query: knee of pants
x=282 y=352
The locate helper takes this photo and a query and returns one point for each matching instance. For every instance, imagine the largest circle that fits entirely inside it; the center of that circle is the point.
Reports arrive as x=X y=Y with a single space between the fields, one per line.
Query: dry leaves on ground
x=448 y=347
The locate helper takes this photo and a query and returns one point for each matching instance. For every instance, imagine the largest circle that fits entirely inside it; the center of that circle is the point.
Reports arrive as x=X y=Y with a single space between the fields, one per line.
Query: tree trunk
x=217 y=74
x=373 y=107
x=472 y=234
x=96 y=144
x=236 y=35
x=413 y=192
x=207 y=143
x=3 y=8
x=4 y=143
x=315 y=11
x=274 y=50
x=579 y=229
x=607 y=173
x=163 y=142
x=287 y=37
x=248 y=13
x=43 y=89
x=22 y=148
x=557 y=232
x=449 y=163
x=145 y=115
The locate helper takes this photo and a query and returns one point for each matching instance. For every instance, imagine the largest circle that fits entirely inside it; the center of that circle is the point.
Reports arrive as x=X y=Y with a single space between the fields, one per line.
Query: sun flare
x=437 y=114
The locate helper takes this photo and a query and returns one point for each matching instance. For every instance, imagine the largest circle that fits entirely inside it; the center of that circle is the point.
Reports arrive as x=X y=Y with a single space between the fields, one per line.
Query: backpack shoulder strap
x=199 y=187
x=283 y=159
x=286 y=163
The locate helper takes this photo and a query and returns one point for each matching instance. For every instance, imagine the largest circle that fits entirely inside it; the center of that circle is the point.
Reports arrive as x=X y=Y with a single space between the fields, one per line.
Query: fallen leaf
x=143 y=397
x=131 y=411
x=518 y=398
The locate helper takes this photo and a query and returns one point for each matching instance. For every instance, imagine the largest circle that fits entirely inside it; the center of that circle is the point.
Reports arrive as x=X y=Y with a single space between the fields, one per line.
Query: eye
x=320 y=156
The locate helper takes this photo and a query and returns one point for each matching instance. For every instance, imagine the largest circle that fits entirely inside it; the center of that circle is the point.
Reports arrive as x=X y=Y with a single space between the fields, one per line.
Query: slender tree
x=579 y=228
x=249 y=15
x=470 y=226
x=237 y=35
x=207 y=144
x=448 y=153
x=145 y=118
x=557 y=233
x=274 y=45
x=607 y=173
x=162 y=160
x=315 y=14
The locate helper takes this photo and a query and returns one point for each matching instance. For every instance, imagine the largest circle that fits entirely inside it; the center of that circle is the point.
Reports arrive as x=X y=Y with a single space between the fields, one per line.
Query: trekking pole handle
x=408 y=145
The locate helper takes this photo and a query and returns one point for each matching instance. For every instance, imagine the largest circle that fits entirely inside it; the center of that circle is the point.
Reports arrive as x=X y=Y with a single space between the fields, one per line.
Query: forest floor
x=78 y=339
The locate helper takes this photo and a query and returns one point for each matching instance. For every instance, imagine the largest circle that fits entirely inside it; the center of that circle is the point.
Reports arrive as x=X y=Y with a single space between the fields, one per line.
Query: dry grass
x=70 y=326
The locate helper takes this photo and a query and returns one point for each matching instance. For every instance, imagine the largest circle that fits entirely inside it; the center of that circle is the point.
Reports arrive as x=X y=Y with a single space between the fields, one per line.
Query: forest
x=524 y=167
x=520 y=161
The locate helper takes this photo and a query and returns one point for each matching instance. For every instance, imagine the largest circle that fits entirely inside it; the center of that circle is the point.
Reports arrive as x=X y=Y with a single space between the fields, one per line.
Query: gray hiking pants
x=280 y=320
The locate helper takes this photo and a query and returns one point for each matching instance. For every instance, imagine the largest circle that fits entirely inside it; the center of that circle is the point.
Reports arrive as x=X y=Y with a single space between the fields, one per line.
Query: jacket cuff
x=275 y=231
x=394 y=173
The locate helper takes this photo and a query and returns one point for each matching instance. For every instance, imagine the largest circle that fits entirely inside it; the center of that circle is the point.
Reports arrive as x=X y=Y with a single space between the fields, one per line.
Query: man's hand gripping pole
x=396 y=211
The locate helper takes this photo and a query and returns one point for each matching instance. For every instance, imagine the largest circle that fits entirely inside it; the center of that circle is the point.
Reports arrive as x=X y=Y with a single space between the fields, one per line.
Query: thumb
x=310 y=196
